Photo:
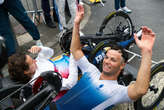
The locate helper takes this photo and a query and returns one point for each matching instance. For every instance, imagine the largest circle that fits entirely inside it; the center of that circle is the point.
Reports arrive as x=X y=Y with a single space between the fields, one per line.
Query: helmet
x=54 y=79
x=65 y=40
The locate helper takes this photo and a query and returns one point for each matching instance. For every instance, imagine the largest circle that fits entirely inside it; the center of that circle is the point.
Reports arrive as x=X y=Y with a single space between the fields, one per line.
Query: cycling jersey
x=91 y=93
x=58 y=64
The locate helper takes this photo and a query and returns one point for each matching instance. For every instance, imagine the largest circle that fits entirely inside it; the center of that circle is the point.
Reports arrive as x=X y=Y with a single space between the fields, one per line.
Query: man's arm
x=141 y=85
x=75 y=43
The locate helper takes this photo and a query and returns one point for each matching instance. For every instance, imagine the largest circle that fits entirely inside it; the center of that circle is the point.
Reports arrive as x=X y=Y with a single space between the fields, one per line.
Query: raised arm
x=141 y=85
x=75 y=43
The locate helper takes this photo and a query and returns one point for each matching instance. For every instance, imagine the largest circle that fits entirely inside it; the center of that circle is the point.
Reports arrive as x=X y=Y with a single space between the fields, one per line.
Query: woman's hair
x=16 y=67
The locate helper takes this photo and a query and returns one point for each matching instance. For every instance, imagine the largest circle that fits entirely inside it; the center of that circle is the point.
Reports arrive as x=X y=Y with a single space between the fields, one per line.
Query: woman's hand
x=35 y=49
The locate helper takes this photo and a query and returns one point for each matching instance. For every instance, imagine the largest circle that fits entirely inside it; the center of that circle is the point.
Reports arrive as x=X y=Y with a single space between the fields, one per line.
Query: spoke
x=154 y=90
x=116 y=25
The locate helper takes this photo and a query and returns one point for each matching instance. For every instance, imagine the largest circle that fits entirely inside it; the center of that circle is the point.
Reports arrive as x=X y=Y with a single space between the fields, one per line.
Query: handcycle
x=94 y=46
x=120 y=31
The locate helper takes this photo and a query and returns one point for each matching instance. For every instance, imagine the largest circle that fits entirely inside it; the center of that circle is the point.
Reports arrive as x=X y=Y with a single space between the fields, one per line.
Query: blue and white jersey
x=91 y=93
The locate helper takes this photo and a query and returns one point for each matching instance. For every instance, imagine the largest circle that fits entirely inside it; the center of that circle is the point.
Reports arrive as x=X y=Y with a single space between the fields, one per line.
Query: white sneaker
x=119 y=9
x=126 y=9
x=39 y=43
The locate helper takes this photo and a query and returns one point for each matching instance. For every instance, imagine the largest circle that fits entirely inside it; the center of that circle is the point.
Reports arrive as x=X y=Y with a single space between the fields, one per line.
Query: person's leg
x=17 y=10
x=6 y=32
x=55 y=16
x=124 y=8
x=122 y=4
x=57 y=13
x=117 y=4
x=46 y=9
x=61 y=10
x=72 y=8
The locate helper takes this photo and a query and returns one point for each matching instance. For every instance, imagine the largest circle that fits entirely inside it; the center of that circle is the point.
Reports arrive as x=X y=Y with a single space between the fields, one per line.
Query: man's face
x=32 y=66
x=113 y=62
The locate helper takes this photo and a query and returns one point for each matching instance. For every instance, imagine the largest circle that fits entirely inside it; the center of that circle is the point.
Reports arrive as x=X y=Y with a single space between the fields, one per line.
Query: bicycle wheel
x=154 y=98
x=119 y=24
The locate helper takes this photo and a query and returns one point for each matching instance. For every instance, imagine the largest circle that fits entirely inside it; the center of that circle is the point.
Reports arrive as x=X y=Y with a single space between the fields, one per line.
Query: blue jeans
x=119 y=3
x=16 y=9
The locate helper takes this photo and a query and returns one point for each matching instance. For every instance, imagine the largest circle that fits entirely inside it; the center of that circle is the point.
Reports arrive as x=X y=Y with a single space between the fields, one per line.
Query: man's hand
x=147 y=40
x=140 y=87
x=35 y=49
x=79 y=14
x=75 y=42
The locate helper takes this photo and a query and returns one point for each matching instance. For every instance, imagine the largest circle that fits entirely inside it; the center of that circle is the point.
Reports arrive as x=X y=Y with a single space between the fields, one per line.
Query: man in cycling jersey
x=99 y=90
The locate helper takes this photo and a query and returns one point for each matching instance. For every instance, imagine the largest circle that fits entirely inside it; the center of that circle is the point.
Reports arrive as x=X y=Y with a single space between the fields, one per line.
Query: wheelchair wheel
x=117 y=23
x=154 y=98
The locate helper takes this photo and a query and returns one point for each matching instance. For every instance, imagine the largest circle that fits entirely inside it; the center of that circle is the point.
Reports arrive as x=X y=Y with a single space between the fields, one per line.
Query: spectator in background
x=16 y=9
x=72 y=7
x=46 y=9
x=121 y=5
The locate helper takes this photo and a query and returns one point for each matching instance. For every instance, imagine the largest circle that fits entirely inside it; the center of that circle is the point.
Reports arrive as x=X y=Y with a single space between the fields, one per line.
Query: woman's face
x=32 y=66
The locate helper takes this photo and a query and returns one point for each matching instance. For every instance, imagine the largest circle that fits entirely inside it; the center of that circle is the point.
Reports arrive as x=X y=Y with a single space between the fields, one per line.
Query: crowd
x=16 y=9
x=24 y=68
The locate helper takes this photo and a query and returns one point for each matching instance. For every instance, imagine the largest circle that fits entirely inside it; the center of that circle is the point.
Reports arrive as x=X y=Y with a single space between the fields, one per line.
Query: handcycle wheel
x=155 y=95
x=117 y=23
x=64 y=39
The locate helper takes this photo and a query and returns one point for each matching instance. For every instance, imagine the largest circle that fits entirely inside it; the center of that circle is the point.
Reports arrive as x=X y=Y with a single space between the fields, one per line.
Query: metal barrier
x=33 y=7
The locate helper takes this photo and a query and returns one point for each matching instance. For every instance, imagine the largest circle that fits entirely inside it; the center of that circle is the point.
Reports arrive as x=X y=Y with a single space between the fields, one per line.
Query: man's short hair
x=16 y=67
x=115 y=46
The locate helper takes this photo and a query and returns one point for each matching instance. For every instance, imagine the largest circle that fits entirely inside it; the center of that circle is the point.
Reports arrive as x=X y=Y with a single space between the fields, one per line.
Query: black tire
x=64 y=39
x=154 y=96
x=116 y=23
